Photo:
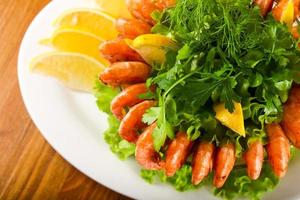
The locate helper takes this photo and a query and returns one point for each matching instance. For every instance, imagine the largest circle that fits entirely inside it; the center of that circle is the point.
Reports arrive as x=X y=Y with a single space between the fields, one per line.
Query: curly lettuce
x=120 y=147
x=237 y=185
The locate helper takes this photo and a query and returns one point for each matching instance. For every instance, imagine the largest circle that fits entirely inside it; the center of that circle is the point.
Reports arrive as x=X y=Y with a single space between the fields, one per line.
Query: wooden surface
x=29 y=167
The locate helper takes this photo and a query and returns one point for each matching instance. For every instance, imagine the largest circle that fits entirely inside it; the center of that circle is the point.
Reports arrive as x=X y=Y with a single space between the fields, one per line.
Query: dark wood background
x=29 y=167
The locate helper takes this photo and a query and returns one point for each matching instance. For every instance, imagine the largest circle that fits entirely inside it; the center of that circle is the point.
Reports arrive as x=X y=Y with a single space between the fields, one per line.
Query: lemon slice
x=152 y=47
x=288 y=13
x=88 y=20
x=234 y=121
x=116 y=8
x=78 y=42
x=75 y=70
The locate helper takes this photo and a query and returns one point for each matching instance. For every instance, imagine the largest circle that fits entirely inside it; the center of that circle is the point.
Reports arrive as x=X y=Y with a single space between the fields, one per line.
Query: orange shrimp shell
x=125 y=73
x=202 y=161
x=254 y=158
x=128 y=97
x=278 y=149
x=132 y=120
x=145 y=153
x=177 y=153
x=224 y=163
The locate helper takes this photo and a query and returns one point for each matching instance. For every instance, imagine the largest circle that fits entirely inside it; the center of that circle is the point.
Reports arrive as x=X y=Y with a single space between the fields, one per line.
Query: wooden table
x=29 y=167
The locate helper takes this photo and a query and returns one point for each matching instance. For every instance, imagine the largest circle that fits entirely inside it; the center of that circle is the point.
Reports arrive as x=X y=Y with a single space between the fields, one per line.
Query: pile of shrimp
x=129 y=71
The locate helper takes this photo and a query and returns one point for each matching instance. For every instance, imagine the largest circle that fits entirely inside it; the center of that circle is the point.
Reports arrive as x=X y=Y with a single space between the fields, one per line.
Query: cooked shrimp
x=131 y=28
x=168 y=3
x=128 y=97
x=296 y=8
x=117 y=50
x=254 y=158
x=224 y=163
x=278 y=149
x=295 y=32
x=177 y=153
x=291 y=116
x=142 y=9
x=125 y=73
x=145 y=154
x=265 y=6
x=163 y=4
x=131 y=121
x=202 y=162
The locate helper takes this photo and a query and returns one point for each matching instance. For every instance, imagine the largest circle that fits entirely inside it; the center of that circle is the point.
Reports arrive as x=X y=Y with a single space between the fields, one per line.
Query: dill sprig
x=222 y=23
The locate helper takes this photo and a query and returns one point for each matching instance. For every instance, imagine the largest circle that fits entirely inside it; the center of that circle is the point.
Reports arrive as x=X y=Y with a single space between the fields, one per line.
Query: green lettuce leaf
x=181 y=180
x=120 y=147
x=239 y=184
x=104 y=95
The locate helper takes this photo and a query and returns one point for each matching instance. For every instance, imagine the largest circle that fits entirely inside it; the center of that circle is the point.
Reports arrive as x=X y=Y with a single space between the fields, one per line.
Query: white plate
x=72 y=124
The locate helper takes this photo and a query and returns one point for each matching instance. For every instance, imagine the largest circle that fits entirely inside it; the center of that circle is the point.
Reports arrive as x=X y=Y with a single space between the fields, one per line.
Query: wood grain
x=29 y=167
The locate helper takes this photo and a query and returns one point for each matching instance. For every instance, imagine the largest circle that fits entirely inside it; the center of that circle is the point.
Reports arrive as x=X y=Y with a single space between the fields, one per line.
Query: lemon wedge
x=284 y=12
x=88 y=20
x=76 y=41
x=152 y=47
x=116 y=8
x=234 y=121
x=288 y=13
x=75 y=70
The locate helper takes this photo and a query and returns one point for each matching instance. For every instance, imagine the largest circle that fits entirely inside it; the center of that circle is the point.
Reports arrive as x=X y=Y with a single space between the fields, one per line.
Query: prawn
x=167 y=3
x=125 y=73
x=177 y=153
x=142 y=9
x=202 y=161
x=131 y=28
x=291 y=116
x=296 y=8
x=145 y=153
x=265 y=6
x=118 y=50
x=132 y=121
x=278 y=149
x=224 y=163
x=163 y=4
x=128 y=97
x=295 y=32
x=254 y=158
